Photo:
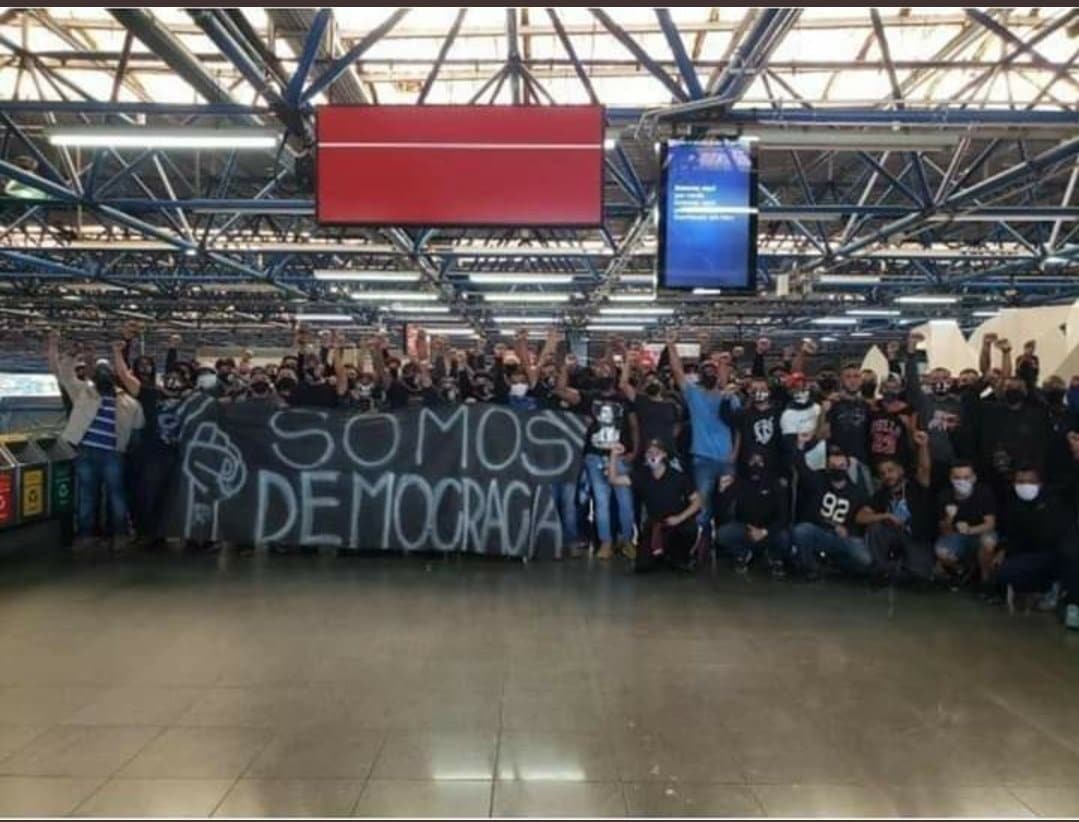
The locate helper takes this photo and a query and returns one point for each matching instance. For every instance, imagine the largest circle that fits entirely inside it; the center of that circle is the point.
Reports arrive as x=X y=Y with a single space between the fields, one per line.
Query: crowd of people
x=969 y=481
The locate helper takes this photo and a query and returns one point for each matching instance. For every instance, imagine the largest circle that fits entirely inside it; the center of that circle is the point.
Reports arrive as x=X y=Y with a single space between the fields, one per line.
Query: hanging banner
x=473 y=478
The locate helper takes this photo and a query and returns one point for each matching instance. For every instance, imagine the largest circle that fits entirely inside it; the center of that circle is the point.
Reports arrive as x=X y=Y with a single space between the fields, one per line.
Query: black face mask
x=941 y=389
x=756 y=474
x=1054 y=396
x=869 y=390
x=827 y=384
x=890 y=395
x=837 y=475
x=653 y=389
x=285 y=385
x=709 y=381
x=1013 y=396
x=260 y=387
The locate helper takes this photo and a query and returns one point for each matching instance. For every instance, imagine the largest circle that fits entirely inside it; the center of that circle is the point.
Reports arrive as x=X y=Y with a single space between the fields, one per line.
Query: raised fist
x=763 y=345
x=921 y=439
x=738 y=352
x=989 y=339
x=916 y=337
x=1004 y=345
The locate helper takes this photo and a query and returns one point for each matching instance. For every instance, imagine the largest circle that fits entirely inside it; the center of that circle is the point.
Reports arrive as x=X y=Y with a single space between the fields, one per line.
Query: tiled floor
x=197 y=686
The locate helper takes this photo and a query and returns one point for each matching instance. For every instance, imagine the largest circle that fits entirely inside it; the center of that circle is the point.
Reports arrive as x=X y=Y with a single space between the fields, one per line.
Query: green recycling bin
x=7 y=488
x=61 y=458
x=31 y=480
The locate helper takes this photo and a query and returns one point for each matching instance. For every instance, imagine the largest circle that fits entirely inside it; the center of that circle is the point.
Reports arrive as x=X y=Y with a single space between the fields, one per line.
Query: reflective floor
x=182 y=686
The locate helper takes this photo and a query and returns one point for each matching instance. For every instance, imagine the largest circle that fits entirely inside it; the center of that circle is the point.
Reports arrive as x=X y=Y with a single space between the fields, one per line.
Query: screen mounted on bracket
x=708 y=215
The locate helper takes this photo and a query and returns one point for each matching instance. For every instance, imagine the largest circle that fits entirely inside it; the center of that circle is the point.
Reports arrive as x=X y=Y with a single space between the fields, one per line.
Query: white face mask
x=963 y=488
x=692 y=378
x=1027 y=491
x=518 y=389
x=207 y=381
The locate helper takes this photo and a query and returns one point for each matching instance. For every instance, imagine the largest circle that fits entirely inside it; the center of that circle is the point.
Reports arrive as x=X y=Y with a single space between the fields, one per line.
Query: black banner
x=461 y=478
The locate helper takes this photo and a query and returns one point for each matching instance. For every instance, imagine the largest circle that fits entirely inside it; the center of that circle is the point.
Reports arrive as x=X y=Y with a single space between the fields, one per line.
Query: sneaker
x=701 y=548
x=605 y=552
x=577 y=551
x=778 y=570
x=1071 y=617
x=628 y=549
x=1048 y=600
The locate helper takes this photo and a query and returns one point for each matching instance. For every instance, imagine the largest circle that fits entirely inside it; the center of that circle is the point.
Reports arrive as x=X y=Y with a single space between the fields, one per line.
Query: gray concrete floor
x=191 y=686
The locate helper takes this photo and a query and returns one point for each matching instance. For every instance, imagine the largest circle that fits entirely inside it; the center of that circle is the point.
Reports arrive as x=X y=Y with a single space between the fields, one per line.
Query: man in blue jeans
x=711 y=404
x=100 y=426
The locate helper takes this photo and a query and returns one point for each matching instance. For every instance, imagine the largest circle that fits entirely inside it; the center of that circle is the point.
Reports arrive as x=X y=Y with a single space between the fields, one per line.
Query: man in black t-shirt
x=901 y=522
x=847 y=416
x=759 y=521
x=967 y=518
x=758 y=423
x=658 y=417
x=833 y=505
x=670 y=503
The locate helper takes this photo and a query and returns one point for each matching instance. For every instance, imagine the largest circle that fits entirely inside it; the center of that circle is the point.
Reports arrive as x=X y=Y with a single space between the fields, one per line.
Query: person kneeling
x=670 y=505
x=967 y=523
x=833 y=510
x=902 y=523
x=760 y=520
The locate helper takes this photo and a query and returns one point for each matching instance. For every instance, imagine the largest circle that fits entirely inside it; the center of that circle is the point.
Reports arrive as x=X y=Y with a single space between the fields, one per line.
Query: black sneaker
x=778 y=569
x=741 y=564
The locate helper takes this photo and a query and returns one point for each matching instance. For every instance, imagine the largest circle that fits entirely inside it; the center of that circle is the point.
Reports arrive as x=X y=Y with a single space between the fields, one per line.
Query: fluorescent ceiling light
x=632 y=298
x=450 y=330
x=873 y=312
x=416 y=309
x=861 y=333
x=849 y=279
x=391 y=296
x=513 y=297
x=614 y=328
x=637 y=279
x=829 y=339
x=985 y=314
x=707 y=292
x=835 y=321
x=521 y=278
x=533 y=319
x=135 y=137
x=344 y=275
x=609 y=144
x=656 y=310
x=323 y=318
x=927 y=299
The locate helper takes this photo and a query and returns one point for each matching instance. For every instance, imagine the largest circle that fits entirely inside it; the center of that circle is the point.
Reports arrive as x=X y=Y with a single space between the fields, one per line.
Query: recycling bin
x=61 y=457
x=31 y=480
x=7 y=488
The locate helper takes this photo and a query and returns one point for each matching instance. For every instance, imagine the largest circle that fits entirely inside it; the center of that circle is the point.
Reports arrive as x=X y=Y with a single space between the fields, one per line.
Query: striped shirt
x=102 y=431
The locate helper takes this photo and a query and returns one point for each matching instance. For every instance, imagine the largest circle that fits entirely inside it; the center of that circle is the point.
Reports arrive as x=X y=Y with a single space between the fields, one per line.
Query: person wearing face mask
x=758 y=524
x=1038 y=540
x=967 y=520
x=901 y=521
x=612 y=422
x=658 y=416
x=714 y=445
x=949 y=419
x=845 y=417
x=260 y=389
x=759 y=429
x=207 y=382
x=1061 y=419
x=801 y=417
x=670 y=504
x=829 y=528
x=1014 y=431
x=100 y=427
x=891 y=423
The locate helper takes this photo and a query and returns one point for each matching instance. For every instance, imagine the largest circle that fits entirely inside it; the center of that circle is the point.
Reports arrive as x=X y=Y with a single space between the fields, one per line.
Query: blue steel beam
x=567 y=45
x=897 y=184
x=678 y=50
x=307 y=57
x=634 y=48
x=447 y=44
x=1002 y=32
x=344 y=63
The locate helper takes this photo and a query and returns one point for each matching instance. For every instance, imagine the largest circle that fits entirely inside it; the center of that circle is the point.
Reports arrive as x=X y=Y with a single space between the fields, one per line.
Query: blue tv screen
x=708 y=215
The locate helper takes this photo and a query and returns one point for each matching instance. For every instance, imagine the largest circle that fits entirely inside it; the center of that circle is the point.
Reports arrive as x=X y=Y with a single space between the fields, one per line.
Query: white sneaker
x=1071 y=617
x=1048 y=600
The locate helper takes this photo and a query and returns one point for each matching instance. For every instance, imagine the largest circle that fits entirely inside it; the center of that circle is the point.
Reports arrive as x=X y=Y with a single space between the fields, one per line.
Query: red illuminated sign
x=460 y=165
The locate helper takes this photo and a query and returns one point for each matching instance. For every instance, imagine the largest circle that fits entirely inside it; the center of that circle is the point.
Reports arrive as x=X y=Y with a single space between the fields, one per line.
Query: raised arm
x=985 y=357
x=562 y=388
x=128 y=380
x=550 y=346
x=378 y=361
x=801 y=358
x=761 y=348
x=624 y=385
x=1005 y=360
x=677 y=371
x=925 y=462
x=339 y=371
